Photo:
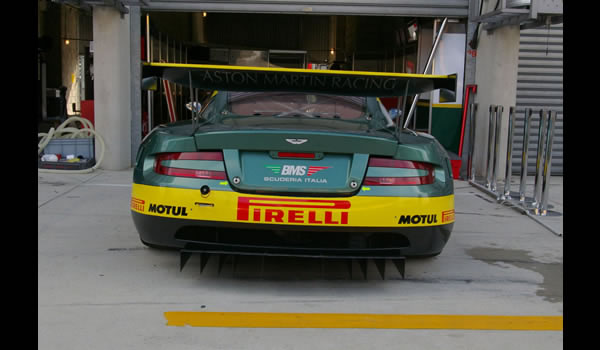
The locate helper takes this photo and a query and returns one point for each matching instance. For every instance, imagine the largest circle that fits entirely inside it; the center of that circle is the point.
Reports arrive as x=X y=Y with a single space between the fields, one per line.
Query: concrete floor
x=100 y=288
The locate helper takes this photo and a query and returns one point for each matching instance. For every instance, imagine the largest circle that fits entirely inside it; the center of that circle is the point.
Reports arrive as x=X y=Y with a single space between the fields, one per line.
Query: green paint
x=276 y=169
x=446 y=125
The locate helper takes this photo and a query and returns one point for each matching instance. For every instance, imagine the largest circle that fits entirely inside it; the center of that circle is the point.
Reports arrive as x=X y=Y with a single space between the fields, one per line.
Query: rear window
x=296 y=104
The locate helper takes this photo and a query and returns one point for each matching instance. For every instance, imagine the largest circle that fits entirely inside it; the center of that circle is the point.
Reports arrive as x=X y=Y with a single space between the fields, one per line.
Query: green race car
x=294 y=162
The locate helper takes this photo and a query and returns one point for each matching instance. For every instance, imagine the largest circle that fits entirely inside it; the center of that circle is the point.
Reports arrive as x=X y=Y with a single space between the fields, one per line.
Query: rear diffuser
x=379 y=256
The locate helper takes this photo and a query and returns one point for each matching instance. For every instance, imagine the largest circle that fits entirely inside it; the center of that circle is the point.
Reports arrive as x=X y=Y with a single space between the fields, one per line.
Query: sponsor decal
x=137 y=204
x=355 y=211
x=293 y=179
x=315 y=169
x=167 y=209
x=448 y=215
x=276 y=169
x=293 y=211
x=417 y=219
x=222 y=79
x=295 y=170
x=298 y=170
x=281 y=179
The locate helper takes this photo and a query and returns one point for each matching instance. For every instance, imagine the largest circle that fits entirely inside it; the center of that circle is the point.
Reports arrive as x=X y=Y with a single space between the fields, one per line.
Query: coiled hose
x=62 y=131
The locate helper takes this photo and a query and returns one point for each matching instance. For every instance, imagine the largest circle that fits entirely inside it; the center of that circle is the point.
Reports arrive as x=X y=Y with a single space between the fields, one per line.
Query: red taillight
x=397 y=163
x=200 y=174
x=191 y=156
x=195 y=173
x=295 y=155
x=399 y=181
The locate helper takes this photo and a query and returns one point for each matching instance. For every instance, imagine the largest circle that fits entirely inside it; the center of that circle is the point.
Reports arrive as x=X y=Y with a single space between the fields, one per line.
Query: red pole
x=169 y=98
x=464 y=117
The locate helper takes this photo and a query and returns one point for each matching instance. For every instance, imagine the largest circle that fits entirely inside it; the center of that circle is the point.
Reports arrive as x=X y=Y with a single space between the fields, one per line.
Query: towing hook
x=205 y=190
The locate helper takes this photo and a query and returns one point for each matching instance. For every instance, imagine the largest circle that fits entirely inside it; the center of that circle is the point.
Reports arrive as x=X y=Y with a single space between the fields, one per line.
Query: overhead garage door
x=413 y=8
x=539 y=85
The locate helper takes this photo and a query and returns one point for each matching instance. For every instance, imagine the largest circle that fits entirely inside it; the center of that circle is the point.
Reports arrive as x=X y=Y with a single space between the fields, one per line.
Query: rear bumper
x=171 y=217
x=404 y=241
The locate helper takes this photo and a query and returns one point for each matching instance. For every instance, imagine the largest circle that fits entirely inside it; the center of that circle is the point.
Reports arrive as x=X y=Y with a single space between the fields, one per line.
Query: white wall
x=112 y=86
x=496 y=79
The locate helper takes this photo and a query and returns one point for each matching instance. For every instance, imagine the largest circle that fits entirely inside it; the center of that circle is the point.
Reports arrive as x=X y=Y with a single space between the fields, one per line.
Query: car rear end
x=239 y=187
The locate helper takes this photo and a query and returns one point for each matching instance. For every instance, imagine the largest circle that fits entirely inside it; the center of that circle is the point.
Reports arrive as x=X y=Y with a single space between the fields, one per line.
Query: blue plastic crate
x=78 y=147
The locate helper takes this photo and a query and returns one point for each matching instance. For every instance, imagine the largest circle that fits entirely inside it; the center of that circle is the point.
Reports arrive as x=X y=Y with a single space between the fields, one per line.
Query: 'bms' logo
x=295 y=170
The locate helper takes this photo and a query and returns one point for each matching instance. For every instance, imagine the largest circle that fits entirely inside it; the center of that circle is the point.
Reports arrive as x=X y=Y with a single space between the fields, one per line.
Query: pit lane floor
x=100 y=288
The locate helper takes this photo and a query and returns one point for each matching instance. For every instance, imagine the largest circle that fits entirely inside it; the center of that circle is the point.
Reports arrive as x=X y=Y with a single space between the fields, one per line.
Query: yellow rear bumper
x=357 y=211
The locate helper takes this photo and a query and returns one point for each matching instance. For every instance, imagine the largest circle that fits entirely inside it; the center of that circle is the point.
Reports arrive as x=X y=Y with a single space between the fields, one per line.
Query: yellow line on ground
x=381 y=321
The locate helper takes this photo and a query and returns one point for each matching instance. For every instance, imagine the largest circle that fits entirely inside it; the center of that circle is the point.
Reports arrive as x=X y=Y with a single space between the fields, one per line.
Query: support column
x=135 y=80
x=496 y=79
x=112 y=86
x=470 y=64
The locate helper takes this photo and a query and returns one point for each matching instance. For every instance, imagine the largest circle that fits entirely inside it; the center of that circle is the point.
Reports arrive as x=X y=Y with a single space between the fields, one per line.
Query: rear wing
x=338 y=82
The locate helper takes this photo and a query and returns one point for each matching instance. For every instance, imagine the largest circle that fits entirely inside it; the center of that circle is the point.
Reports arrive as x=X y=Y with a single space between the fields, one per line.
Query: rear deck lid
x=302 y=173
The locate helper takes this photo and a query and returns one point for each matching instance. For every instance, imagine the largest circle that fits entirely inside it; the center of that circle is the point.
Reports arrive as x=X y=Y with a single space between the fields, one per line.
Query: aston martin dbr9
x=311 y=167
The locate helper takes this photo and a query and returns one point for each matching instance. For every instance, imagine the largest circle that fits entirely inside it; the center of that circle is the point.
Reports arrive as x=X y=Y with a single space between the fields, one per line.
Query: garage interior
x=345 y=42
x=362 y=43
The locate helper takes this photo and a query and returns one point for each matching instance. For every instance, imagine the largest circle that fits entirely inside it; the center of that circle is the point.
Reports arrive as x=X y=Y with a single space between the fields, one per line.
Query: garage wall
x=255 y=31
x=262 y=32
x=412 y=8
x=372 y=39
x=314 y=34
x=539 y=85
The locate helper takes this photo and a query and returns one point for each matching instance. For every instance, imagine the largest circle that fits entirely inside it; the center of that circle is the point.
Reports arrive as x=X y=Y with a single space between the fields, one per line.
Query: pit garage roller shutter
x=539 y=85
x=412 y=8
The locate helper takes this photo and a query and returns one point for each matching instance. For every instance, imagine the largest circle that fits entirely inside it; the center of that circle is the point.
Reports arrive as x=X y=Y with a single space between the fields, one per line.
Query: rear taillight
x=399 y=180
x=159 y=168
x=191 y=156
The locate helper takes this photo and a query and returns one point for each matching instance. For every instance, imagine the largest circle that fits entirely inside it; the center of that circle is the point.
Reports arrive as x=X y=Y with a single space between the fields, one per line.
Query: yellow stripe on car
x=357 y=211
